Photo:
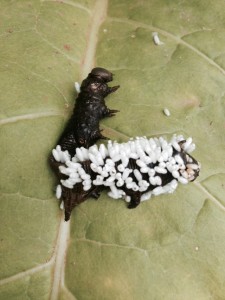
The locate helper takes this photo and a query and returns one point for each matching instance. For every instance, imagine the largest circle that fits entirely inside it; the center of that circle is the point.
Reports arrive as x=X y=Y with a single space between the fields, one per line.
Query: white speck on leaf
x=77 y=86
x=156 y=39
x=166 y=112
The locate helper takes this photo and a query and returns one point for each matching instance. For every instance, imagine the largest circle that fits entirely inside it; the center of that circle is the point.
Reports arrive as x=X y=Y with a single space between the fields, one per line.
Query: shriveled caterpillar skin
x=83 y=126
x=73 y=194
x=73 y=197
x=83 y=129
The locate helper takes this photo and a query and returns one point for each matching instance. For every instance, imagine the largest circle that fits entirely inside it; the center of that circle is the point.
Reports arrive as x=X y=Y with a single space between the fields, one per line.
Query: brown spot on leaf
x=67 y=47
x=190 y=102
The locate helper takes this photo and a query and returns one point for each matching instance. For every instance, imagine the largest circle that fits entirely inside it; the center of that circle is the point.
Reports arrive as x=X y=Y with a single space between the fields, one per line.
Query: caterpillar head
x=102 y=73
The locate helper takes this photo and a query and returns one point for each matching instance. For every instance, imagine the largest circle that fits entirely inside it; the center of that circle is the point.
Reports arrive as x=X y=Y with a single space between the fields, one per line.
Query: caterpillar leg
x=106 y=112
x=112 y=89
x=97 y=135
x=96 y=193
x=135 y=200
x=111 y=112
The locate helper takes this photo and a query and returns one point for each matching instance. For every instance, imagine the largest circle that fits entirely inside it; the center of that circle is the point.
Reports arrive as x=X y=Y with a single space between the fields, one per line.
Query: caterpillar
x=83 y=126
x=82 y=129
x=135 y=170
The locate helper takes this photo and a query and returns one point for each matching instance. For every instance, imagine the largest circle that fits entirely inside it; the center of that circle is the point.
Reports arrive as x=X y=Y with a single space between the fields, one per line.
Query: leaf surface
x=171 y=247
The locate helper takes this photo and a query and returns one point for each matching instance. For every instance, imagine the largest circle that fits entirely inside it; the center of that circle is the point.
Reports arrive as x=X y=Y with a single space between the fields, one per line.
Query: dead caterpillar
x=83 y=126
x=135 y=170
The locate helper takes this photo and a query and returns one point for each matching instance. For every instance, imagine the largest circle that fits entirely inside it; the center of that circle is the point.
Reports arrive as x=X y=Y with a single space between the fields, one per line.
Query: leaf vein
x=67 y=2
x=29 y=117
x=41 y=77
x=56 y=48
x=210 y=196
x=98 y=243
x=172 y=36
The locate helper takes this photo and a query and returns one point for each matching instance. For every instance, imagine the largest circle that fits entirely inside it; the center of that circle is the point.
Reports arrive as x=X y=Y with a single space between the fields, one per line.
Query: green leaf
x=171 y=247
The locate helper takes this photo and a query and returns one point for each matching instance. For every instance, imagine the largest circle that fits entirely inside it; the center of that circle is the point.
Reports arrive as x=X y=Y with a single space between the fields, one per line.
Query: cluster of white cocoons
x=104 y=163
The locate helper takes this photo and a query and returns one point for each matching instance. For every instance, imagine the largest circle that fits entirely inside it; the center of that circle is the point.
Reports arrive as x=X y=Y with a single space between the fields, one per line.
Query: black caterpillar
x=134 y=170
x=83 y=126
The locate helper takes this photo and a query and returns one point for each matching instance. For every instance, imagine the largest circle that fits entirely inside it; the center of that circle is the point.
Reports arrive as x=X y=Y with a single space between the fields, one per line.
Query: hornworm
x=135 y=170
